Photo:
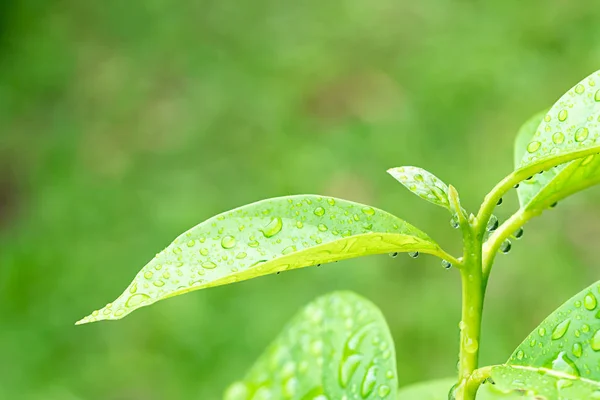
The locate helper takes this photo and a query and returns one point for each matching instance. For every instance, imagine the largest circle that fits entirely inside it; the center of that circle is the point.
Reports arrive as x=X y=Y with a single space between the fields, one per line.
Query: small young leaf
x=262 y=238
x=423 y=183
x=568 y=340
x=542 y=190
x=544 y=383
x=439 y=389
x=570 y=127
x=338 y=347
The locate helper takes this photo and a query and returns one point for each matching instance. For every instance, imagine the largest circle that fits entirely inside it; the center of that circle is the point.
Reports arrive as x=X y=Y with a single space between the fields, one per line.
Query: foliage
x=339 y=346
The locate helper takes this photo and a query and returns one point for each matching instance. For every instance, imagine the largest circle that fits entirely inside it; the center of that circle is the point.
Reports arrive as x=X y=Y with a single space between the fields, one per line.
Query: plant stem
x=472 y=307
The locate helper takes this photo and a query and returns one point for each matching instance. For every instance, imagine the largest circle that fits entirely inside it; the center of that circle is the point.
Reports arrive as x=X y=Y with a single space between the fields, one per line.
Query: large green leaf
x=544 y=384
x=553 y=185
x=338 y=347
x=572 y=126
x=263 y=238
x=423 y=183
x=568 y=340
x=438 y=390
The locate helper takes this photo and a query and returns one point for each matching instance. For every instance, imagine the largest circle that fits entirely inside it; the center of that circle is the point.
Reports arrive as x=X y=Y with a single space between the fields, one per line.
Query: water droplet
x=577 y=350
x=560 y=329
x=520 y=355
x=209 y=265
x=534 y=146
x=393 y=255
x=595 y=342
x=590 y=302
x=299 y=224
x=499 y=201
x=191 y=243
x=506 y=246
x=348 y=367
x=492 y=224
x=579 y=89
x=204 y=251
x=119 y=312
x=554 y=204
x=133 y=288
x=228 y=242
x=542 y=332
x=471 y=345
x=597 y=95
x=177 y=250
x=148 y=274
x=446 y=264
x=331 y=201
x=158 y=283
x=322 y=227
x=273 y=227
x=253 y=243
x=137 y=299
x=581 y=134
x=454 y=223
x=516 y=186
x=368 y=211
x=558 y=138
x=413 y=254
x=319 y=211
x=519 y=233
x=369 y=381
x=563 y=363
x=288 y=250
x=562 y=115
x=383 y=390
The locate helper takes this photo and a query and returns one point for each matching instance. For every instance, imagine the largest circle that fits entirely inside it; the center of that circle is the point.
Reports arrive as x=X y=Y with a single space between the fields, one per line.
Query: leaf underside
x=337 y=347
x=568 y=340
x=438 y=390
x=544 y=384
x=423 y=183
x=542 y=190
x=262 y=238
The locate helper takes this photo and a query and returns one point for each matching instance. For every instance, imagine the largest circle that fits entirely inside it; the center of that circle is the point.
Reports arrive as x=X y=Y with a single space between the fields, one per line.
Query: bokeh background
x=124 y=123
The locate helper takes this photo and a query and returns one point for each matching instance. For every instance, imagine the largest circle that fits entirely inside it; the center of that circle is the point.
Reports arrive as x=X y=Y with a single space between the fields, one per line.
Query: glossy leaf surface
x=545 y=189
x=262 y=238
x=544 y=384
x=572 y=125
x=338 y=347
x=422 y=183
x=438 y=390
x=568 y=340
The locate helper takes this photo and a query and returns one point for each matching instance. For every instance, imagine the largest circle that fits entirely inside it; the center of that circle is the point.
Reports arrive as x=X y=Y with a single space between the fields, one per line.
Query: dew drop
x=590 y=302
x=581 y=134
x=516 y=186
x=446 y=264
x=204 y=251
x=137 y=299
x=319 y=211
x=518 y=234
x=322 y=227
x=253 y=243
x=554 y=204
x=520 y=355
x=534 y=146
x=413 y=254
x=500 y=201
x=191 y=243
x=331 y=201
x=597 y=95
x=119 y=312
x=383 y=390
x=506 y=246
x=228 y=242
x=542 y=332
x=158 y=283
x=177 y=250
x=558 y=138
x=595 y=342
x=369 y=382
x=577 y=350
x=209 y=265
x=288 y=250
x=563 y=363
x=579 y=89
x=148 y=274
x=348 y=367
x=562 y=115
x=299 y=224
x=561 y=329
x=492 y=224
x=454 y=222
x=393 y=255
x=273 y=227
x=368 y=211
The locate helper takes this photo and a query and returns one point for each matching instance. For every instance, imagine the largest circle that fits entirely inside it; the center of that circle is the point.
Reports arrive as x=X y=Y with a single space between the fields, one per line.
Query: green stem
x=472 y=309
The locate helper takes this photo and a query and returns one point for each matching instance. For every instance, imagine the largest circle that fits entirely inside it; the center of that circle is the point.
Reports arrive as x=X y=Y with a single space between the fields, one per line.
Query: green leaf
x=438 y=390
x=263 y=238
x=568 y=340
x=571 y=127
x=544 y=383
x=424 y=184
x=339 y=345
x=543 y=190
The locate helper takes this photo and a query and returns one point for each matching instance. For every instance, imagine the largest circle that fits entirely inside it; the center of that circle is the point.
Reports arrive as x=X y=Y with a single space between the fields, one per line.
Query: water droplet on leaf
x=273 y=227
x=228 y=242
x=492 y=224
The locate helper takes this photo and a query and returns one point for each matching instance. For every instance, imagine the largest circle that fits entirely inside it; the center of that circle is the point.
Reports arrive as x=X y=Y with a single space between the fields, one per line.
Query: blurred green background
x=124 y=123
